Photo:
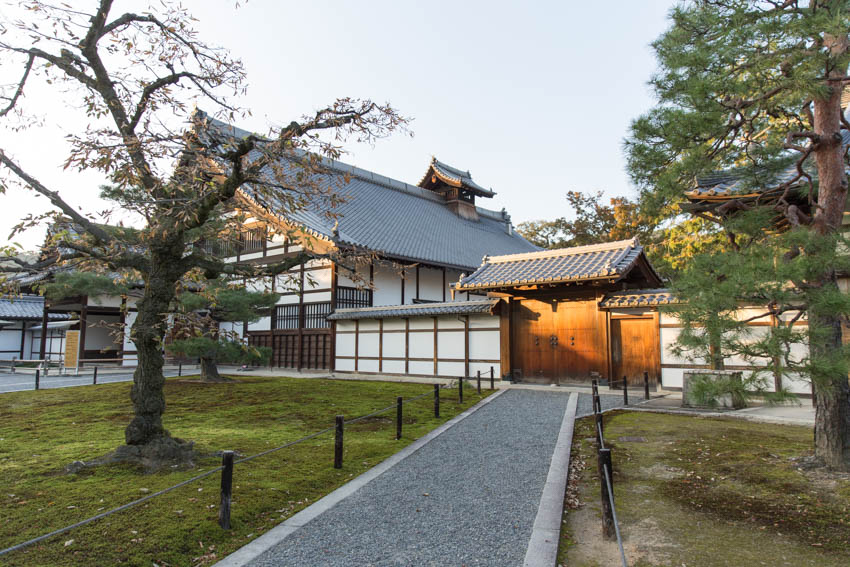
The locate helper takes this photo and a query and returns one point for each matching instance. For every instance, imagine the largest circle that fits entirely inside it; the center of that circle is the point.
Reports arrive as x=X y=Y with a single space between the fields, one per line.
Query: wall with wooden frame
x=673 y=367
x=447 y=346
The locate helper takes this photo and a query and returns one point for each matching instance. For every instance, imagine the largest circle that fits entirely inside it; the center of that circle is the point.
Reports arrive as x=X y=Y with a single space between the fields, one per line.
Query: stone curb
x=733 y=415
x=254 y=549
x=543 y=545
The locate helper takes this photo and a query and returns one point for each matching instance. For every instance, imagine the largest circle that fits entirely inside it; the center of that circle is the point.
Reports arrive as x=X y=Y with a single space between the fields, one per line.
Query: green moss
x=714 y=492
x=44 y=431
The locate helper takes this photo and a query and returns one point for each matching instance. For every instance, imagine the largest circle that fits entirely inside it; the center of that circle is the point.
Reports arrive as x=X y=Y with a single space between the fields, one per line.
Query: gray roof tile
x=597 y=261
x=27 y=308
x=418 y=310
x=637 y=298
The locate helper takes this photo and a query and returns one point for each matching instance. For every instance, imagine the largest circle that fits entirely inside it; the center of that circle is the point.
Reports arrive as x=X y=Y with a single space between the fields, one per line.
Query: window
x=315 y=315
x=286 y=317
x=352 y=297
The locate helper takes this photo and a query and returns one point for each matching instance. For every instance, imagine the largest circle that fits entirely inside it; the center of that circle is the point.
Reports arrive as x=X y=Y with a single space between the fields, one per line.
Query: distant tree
x=133 y=78
x=198 y=331
x=754 y=88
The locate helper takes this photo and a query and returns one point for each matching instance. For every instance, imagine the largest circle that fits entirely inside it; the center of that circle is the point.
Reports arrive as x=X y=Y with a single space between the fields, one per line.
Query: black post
x=340 y=420
x=94 y=376
x=604 y=462
x=594 y=385
x=398 y=405
x=646 y=385
x=492 y=383
x=37 y=377
x=600 y=430
x=226 y=489
x=436 y=400
x=625 y=391
x=460 y=389
x=179 y=369
x=479 y=382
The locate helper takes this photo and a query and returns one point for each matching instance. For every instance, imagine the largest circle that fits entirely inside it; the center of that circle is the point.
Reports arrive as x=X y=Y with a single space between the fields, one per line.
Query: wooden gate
x=311 y=348
x=559 y=340
x=635 y=349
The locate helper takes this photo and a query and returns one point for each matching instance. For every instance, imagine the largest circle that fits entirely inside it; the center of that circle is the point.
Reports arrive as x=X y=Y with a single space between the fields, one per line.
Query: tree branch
x=14 y=99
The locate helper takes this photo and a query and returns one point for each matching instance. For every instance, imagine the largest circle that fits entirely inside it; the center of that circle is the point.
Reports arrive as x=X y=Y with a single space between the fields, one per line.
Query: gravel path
x=608 y=401
x=469 y=497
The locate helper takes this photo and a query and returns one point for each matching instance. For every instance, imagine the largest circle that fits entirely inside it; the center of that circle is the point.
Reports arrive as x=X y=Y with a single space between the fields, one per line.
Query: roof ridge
x=559 y=252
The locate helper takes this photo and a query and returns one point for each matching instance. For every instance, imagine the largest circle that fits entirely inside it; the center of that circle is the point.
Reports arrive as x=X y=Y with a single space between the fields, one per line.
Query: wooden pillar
x=406 y=345
x=356 y=344
x=505 y=337
x=23 y=337
x=334 y=284
x=417 y=281
x=84 y=315
x=444 y=284
x=466 y=345
x=403 y=272
x=299 y=353
x=43 y=343
x=435 y=346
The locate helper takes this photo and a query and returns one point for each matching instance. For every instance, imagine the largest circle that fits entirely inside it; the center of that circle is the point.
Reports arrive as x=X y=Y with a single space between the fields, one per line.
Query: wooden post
x=180 y=368
x=94 y=376
x=646 y=385
x=398 y=405
x=436 y=400
x=43 y=340
x=37 y=377
x=226 y=489
x=596 y=403
x=492 y=378
x=84 y=315
x=479 y=382
x=340 y=420
x=460 y=389
x=625 y=391
x=604 y=462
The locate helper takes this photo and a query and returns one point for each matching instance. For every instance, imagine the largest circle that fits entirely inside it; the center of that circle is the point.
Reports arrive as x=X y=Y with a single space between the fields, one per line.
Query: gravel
x=585 y=402
x=469 y=497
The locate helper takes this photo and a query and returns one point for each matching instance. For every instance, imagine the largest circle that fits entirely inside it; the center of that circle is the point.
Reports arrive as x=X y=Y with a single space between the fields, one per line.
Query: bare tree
x=133 y=77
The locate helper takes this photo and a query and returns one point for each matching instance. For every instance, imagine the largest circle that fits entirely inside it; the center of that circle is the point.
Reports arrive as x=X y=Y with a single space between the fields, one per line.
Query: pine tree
x=754 y=88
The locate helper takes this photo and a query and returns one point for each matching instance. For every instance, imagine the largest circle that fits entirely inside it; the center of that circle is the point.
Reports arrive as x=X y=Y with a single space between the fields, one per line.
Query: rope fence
x=228 y=461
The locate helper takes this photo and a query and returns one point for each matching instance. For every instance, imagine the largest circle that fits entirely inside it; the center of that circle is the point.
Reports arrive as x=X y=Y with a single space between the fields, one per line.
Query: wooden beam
x=299 y=355
x=43 y=345
x=380 y=345
x=403 y=271
x=505 y=337
x=417 y=281
x=406 y=345
x=444 y=284
x=356 y=344
x=23 y=337
x=334 y=284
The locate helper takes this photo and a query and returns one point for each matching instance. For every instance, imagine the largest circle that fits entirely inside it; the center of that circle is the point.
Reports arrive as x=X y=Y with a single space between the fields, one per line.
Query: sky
x=533 y=98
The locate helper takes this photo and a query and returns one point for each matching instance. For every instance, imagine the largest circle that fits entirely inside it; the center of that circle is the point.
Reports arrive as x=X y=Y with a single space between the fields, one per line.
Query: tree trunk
x=832 y=391
x=209 y=370
x=148 y=335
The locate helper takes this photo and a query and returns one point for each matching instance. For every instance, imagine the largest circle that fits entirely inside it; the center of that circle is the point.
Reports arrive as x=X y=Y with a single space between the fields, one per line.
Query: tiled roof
x=27 y=308
x=724 y=184
x=454 y=177
x=399 y=220
x=637 y=298
x=611 y=260
x=418 y=310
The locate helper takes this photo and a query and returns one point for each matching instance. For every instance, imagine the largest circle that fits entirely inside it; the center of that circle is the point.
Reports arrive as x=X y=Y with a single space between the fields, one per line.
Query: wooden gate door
x=635 y=349
x=557 y=341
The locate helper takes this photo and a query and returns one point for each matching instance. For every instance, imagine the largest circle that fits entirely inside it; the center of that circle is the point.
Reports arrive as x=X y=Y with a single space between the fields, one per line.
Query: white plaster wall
x=421 y=345
x=417 y=367
x=10 y=340
x=484 y=368
x=345 y=364
x=672 y=377
x=368 y=345
x=394 y=366
x=393 y=345
x=128 y=326
x=484 y=345
x=451 y=322
x=393 y=324
x=318 y=279
x=345 y=345
x=450 y=368
x=106 y=300
x=483 y=321
x=387 y=286
x=263 y=324
x=422 y=323
x=431 y=284
x=98 y=337
x=367 y=365
x=450 y=345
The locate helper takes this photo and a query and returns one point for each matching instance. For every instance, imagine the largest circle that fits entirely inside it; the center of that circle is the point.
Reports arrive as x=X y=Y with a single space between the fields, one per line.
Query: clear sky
x=534 y=98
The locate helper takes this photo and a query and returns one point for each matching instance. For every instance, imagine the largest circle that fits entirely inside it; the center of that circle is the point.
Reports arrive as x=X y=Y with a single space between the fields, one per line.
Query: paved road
x=20 y=381
x=468 y=497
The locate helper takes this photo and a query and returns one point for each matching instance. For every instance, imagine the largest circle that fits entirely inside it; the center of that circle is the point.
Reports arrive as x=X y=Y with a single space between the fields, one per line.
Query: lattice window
x=315 y=315
x=286 y=317
x=352 y=297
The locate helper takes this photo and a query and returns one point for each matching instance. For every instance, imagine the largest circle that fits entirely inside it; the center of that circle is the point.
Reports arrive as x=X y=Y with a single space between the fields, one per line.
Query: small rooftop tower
x=455 y=186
